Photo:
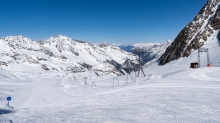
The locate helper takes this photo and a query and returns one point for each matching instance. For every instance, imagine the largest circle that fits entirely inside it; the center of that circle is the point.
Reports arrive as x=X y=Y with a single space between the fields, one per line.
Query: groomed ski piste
x=168 y=94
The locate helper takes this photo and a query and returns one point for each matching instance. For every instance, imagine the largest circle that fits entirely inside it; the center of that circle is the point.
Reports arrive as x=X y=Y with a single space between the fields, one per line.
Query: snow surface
x=168 y=94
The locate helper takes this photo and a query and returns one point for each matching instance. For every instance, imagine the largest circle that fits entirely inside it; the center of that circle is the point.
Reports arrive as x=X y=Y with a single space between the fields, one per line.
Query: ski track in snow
x=165 y=95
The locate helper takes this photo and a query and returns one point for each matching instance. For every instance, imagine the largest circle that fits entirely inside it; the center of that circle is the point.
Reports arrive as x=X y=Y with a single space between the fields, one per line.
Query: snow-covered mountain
x=196 y=34
x=60 y=53
x=153 y=50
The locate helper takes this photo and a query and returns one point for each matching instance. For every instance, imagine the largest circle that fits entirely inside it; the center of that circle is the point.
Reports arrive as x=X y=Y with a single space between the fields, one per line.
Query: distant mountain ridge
x=154 y=50
x=60 y=53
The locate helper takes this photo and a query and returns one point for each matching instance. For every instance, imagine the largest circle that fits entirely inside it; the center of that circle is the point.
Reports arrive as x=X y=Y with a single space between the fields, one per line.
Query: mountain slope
x=204 y=26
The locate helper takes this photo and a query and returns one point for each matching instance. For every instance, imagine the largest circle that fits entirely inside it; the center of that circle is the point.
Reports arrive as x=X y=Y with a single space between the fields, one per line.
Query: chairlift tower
x=207 y=52
x=129 y=72
x=140 y=52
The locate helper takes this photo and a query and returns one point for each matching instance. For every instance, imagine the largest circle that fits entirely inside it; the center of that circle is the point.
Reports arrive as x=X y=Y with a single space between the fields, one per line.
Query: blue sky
x=97 y=21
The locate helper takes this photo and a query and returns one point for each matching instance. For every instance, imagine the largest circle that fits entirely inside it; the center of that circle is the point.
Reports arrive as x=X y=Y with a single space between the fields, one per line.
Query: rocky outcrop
x=194 y=35
x=215 y=23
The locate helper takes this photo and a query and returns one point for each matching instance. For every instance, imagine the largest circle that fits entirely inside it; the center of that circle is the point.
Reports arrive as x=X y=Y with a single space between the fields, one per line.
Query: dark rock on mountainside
x=194 y=35
x=215 y=23
x=87 y=66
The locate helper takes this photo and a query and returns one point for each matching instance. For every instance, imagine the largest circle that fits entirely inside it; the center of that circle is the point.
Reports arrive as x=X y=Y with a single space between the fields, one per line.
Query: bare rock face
x=216 y=20
x=194 y=35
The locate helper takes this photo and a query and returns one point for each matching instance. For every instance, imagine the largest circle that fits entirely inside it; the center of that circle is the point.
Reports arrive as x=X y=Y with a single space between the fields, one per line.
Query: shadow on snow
x=6 y=111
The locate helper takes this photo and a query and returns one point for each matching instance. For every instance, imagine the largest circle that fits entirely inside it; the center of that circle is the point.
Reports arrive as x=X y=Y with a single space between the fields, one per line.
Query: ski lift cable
x=208 y=48
x=211 y=44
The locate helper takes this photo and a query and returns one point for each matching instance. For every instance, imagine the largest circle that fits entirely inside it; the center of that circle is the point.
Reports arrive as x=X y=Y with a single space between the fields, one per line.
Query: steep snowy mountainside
x=204 y=26
x=154 y=50
x=60 y=53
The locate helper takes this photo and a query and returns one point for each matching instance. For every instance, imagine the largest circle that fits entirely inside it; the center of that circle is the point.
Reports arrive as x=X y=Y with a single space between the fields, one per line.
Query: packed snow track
x=164 y=95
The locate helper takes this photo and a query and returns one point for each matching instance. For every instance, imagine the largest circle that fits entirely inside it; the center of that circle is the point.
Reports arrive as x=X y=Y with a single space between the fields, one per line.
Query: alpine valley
x=62 y=80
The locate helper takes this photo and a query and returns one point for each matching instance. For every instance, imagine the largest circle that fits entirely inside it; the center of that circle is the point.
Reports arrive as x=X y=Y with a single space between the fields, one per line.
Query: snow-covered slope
x=153 y=50
x=61 y=53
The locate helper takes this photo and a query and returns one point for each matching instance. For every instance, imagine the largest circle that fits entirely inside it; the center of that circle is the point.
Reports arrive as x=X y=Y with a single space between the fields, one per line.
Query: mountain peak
x=61 y=36
x=12 y=36
x=58 y=38
x=104 y=44
x=19 y=37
